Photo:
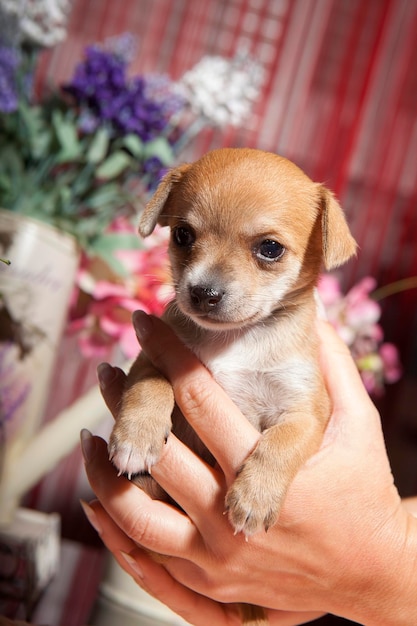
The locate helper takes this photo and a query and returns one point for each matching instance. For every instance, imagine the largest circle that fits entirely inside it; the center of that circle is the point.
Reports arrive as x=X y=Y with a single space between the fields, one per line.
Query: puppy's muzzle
x=205 y=299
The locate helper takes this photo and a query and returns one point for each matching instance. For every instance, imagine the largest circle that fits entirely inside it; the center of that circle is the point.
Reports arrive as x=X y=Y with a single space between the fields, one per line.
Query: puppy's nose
x=205 y=298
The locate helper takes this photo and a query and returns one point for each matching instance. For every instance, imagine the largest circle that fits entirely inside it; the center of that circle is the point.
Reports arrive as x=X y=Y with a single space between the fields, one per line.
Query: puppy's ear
x=338 y=243
x=153 y=210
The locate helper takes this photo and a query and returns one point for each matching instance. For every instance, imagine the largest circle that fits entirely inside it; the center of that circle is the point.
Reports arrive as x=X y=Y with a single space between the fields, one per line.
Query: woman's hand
x=339 y=537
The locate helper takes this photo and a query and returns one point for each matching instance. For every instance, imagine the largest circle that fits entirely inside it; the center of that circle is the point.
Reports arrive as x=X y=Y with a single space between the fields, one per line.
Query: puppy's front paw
x=253 y=504
x=136 y=445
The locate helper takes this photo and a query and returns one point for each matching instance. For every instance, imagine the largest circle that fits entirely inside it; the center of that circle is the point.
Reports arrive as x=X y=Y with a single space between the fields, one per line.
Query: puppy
x=250 y=233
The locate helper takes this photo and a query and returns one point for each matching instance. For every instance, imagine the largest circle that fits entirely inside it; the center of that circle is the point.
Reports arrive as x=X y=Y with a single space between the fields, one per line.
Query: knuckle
x=194 y=396
x=137 y=525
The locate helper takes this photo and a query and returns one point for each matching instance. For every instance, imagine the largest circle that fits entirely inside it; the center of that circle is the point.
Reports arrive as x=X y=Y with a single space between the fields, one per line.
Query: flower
x=95 y=149
x=222 y=90
x=103 y=92
x=38 y=22
x=355 y=316
x=78 y=161
x=86 y=157
x=147 y=120
x=105 y=298
x=9 y=61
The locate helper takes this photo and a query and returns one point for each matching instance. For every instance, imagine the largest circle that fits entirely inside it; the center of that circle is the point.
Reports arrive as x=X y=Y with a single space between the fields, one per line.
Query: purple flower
x=154 y=170
x=102 y=89
x=101 y=75
x=9 y=62
x=123 y=46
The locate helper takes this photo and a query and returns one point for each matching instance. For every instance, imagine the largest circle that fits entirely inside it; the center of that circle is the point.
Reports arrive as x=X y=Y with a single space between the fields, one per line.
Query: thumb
x=353 y=409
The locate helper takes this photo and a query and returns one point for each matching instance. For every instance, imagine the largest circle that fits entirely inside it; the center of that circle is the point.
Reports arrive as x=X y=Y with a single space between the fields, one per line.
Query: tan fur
x=250 y=319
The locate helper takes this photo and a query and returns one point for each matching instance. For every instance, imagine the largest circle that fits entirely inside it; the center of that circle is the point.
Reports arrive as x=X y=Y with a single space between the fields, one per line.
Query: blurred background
x=339 y=98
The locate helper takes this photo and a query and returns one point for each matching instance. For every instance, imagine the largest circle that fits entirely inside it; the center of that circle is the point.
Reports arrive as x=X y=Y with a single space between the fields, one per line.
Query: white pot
x=34 y=296
x=120 y=595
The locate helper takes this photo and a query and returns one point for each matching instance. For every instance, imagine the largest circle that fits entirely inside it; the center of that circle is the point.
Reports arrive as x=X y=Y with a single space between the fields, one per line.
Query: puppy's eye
x=183 y=236
x=270 y=250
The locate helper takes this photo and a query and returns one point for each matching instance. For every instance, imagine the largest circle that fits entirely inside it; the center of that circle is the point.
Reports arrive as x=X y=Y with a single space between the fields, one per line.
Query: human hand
x=152 y=576
x=341 y=509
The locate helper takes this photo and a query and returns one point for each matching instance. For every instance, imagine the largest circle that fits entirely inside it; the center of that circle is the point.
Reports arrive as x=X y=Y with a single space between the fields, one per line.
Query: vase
x=121 y=600
x=35 y=291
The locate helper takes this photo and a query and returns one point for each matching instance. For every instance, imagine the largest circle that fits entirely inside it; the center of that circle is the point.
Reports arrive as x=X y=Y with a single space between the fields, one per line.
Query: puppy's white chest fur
x=252 y=369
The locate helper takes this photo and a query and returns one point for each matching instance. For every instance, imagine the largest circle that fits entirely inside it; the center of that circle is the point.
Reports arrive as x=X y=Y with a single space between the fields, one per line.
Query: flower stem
x=396 y=287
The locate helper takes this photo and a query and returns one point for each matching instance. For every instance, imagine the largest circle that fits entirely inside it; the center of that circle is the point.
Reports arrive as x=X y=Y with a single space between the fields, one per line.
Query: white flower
x=223 y=90
x=40 y=22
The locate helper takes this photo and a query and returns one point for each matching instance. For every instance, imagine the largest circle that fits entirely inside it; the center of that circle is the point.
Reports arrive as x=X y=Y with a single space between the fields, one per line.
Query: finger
x=110 y=533
x=205 y=493
x=112 y=381
x=194 y=607
x=153 y=524
x=158 y=582
x=211 y=413
x=203 y=498
x=151 y=576
x=347 y=392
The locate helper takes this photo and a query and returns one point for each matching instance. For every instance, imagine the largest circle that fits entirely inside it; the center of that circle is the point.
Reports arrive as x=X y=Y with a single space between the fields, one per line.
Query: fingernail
x=142 y=323
x=106 y=374
x=132 y=563
x=88 y=445
x=91 y=516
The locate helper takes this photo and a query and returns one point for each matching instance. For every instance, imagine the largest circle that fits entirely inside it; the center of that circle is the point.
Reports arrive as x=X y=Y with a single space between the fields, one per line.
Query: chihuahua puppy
x=250 y=233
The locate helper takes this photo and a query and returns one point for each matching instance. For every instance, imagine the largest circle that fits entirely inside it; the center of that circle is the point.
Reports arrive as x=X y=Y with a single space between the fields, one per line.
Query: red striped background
x=340 y=99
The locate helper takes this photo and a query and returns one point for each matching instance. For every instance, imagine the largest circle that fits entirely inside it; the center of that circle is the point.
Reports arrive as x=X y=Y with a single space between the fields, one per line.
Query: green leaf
x=83 y=180
x=65 y=196
x=99 y=146
x=34 y=132
x=111 y=242
x=114 y=165
x=108 y=194
x=159 y=148
x=66 y=133
x=41 y=144
x=43 y=169
x=134 y=144
x=105 y=247
x=31 y=118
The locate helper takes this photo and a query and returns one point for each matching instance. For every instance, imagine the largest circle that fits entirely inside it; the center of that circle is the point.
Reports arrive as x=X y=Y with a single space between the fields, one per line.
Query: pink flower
x=390 y=358
x=329 y=290
x=355 y=316
x=101 y=314
x=361 y=311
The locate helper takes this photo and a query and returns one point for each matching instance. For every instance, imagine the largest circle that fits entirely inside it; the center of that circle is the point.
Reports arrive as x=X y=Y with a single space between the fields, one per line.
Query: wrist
x=384 y=578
